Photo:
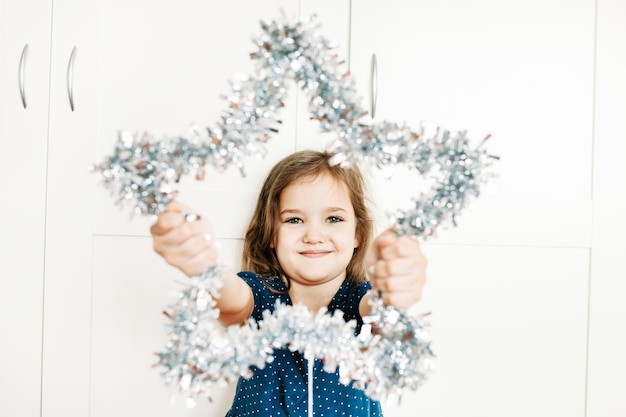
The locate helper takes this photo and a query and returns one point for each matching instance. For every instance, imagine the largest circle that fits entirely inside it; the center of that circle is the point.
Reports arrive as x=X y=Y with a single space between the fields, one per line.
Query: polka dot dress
x=280 y=389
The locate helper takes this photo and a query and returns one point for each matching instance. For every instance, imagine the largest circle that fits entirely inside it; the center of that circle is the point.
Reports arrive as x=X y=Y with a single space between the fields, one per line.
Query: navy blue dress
x=280 y=389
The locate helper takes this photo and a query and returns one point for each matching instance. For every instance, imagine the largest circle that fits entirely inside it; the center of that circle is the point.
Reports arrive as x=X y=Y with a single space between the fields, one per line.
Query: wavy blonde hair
x=258 y=255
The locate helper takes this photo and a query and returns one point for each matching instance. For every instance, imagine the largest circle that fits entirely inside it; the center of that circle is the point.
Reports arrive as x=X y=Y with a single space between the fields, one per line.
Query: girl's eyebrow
x=327 y=210
x=289 y=211
x=336 y=209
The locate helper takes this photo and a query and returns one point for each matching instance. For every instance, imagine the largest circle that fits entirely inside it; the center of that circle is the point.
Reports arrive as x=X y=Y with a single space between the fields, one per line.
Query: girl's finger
x=401 y=248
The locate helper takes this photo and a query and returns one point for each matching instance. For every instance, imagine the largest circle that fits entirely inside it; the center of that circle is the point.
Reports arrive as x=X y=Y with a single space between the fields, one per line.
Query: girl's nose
x=314 y=233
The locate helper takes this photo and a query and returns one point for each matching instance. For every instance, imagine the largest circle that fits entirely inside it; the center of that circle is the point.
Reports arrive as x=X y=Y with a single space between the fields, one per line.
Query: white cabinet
x=508 y=288
x=47 y=247
x=47 y=136
x=25 y=38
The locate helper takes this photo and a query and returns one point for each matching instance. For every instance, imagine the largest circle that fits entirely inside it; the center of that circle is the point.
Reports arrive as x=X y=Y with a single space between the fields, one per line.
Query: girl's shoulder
x=274 y=284
x=266 y=292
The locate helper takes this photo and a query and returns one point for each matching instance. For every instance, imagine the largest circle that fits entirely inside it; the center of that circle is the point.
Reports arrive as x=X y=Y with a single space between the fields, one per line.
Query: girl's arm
x=398 y=271
x=188 y=246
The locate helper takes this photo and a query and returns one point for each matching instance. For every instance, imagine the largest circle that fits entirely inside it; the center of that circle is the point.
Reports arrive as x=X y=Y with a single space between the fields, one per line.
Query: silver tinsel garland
x=392 y=352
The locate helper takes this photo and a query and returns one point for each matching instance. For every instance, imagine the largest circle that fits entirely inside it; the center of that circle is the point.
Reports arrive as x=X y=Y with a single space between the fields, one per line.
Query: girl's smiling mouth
x=314 y=253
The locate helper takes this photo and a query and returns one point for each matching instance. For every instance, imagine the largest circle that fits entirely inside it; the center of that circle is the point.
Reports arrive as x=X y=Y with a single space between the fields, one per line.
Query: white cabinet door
x=72 y=139
x=165 y=66
x=25 y=39
x=509 y=332
x=523 y=72
x=132 y=287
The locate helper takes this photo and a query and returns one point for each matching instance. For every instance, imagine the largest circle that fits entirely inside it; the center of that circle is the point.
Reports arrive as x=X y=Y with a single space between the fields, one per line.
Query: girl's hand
x=399 y=269
x=184 y=244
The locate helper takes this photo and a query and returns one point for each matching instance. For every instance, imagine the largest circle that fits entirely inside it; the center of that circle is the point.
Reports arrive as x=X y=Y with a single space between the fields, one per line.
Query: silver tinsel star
x=393 y=353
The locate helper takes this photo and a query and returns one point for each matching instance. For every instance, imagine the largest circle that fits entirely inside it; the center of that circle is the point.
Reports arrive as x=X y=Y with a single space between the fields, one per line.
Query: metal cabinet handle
x=70 y=78
x=22 y=75
x=373 y=85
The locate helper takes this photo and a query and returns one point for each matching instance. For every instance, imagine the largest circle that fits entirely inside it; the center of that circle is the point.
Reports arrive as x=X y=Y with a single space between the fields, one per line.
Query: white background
x=526 y=293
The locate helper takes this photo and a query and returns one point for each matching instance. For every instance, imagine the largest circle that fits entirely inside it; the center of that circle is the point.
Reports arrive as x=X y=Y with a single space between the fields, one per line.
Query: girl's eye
x=293 y=220
x=334 y=219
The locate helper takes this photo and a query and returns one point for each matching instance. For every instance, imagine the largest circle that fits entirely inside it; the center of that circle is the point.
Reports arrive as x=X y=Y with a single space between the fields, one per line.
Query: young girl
x=309 y=243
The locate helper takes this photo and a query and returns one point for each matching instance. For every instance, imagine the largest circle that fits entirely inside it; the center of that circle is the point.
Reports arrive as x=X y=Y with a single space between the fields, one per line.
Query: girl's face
x=316 y=235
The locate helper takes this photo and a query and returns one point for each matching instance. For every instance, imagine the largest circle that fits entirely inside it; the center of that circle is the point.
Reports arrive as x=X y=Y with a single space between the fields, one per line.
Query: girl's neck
x=314 y=297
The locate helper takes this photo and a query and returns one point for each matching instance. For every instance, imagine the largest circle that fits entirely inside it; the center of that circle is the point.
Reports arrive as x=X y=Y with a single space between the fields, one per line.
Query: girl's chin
x=316 y=279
